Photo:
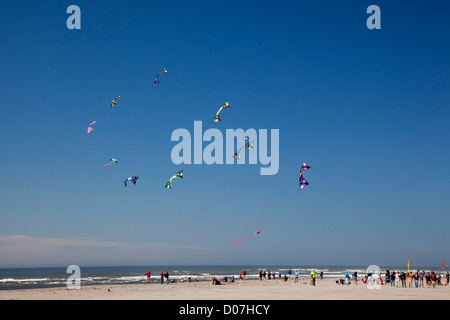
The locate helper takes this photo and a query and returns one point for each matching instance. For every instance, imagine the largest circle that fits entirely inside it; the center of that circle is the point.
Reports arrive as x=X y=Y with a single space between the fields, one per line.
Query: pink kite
x=90 y=127
x=246 y=238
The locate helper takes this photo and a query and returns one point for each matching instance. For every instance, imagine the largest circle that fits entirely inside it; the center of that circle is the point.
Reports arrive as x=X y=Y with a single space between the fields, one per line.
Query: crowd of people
x=268 y=275
x=264 y=275
x=415 y=279
x=399 y=279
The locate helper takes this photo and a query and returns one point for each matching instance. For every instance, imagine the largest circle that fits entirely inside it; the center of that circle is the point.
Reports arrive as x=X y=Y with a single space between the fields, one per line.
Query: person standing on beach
x=347 y=278
x=403 y=279
x=397 y=279
x=428 y=279
x=392 y=279
x=433 y=279
x=313 y=277
x=244 y=273
x=321 y=275
x=148 y=274
x=355 y=277
x=410 y=279
x=420 y=279
x=448 y=278
x=166 y=275
x=296 y=276
x=162 y=277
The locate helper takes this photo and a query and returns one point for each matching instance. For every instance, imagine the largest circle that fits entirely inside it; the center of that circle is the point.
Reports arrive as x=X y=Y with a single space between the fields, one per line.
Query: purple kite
x=302 y=182
x=304 y=168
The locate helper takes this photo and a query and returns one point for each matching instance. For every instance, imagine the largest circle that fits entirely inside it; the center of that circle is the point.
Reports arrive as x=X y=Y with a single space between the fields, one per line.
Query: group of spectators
x=398 y=279
x=416 y=279
x=263 y=275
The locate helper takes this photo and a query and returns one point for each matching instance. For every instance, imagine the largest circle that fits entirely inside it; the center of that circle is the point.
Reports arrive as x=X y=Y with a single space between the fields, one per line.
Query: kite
x=217 y=117
x=248 y=145
x=113 y=103
x=111 y=161
x=157 y=77
x=304 y=168
x=246 y=238
x=179 y=175
x=133 y=179
x=90 y=127
x=301 y=181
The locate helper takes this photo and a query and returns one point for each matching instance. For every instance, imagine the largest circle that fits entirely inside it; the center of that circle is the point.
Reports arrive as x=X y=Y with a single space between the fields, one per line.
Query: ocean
x=27 y=278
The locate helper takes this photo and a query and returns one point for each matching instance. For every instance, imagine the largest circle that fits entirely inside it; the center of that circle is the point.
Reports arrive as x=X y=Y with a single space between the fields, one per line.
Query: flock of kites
x=247 y=145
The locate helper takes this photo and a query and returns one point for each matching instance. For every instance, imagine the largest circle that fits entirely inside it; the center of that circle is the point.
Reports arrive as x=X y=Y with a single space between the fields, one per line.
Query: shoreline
x=250 y=289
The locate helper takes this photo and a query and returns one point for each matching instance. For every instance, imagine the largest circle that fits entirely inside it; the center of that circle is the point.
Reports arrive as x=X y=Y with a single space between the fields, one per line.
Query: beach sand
x=325 y=289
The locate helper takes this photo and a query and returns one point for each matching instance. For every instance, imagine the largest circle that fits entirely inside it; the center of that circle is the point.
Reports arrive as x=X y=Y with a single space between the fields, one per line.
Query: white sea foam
x=22 y=280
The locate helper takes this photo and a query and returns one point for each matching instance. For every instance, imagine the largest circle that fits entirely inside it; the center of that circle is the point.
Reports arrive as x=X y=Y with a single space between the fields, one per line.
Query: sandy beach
x=325 y=289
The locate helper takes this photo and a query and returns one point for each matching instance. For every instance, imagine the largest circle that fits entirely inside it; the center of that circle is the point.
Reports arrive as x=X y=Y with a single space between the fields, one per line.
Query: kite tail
x=242 y=239
x=106 y=164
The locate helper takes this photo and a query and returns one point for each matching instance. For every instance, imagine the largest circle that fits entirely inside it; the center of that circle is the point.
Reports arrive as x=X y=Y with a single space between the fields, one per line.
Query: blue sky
x=366 y=109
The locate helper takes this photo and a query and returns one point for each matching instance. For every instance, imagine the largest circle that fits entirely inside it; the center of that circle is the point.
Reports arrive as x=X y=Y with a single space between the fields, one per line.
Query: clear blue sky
x=368 y=110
